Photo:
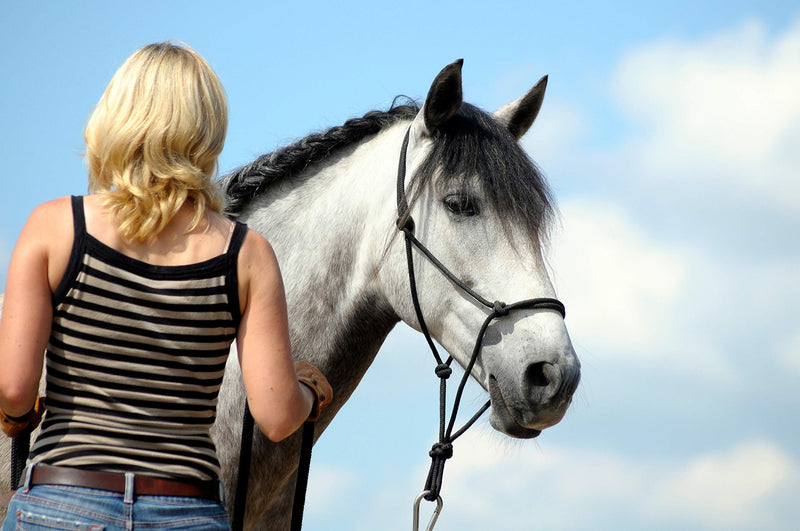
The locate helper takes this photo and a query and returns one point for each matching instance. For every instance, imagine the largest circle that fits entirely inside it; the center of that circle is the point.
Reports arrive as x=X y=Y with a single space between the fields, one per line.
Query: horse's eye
x=461 y=205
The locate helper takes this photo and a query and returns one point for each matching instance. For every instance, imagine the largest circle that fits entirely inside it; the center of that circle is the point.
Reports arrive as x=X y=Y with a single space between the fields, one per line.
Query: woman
x=135 y=293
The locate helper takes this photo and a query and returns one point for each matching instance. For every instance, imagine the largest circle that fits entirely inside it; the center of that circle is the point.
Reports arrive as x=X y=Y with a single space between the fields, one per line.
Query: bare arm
x=37 y=265
x=279 y=404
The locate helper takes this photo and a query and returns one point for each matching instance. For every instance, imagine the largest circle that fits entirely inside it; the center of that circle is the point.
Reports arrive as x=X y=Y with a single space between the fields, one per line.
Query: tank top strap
x=231 y=274
x=76 y=254
x=237 y=238
x=78 y=217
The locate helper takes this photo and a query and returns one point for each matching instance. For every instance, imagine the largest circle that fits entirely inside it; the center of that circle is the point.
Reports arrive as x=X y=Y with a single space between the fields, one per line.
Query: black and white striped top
x=135 y=360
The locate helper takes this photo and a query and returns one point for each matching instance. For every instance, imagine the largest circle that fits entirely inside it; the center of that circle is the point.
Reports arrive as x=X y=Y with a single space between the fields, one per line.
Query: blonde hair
x=153 y=139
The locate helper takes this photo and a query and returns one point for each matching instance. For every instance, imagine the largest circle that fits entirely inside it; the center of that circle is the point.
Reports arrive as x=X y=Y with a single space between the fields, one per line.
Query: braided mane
x=470 y=143
x=245 y=183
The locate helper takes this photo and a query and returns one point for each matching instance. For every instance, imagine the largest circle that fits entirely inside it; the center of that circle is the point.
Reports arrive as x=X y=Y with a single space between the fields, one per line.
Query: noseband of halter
x=443 y=449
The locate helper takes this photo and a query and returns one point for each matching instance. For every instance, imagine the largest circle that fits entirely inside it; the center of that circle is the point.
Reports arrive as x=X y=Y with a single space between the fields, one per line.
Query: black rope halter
x=443 y=449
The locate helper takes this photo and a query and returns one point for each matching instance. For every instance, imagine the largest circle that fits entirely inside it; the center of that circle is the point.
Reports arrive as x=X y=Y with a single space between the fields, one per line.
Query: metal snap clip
x=434 y=516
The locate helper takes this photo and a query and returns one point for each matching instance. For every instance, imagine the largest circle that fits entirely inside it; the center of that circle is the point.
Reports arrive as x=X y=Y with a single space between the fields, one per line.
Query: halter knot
x=405 y=223
x=443 y=371
x=441 y=451
x=500 y=309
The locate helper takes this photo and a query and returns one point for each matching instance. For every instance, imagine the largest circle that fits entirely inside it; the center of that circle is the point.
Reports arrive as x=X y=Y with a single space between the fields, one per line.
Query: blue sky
x=669 y=136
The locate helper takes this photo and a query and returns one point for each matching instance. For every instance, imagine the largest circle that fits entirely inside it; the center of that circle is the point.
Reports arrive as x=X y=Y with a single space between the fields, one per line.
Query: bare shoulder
x=258 y=271
x=257 y=252
x=53 y=211
x=45 y=243
x=49 y=221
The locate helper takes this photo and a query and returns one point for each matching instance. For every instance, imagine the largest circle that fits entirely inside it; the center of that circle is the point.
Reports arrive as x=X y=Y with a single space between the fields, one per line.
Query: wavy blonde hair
x=154 y=137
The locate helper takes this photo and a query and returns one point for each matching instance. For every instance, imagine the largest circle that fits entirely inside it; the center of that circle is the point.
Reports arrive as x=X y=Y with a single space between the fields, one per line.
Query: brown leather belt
x=142 y=485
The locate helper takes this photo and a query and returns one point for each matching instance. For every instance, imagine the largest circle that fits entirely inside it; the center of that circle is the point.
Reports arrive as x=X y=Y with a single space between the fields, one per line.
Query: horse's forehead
x=483 y=159
x=480 y=164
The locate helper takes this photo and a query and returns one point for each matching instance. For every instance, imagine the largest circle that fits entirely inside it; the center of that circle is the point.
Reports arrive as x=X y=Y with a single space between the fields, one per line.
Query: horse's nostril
x=543 y=381
x=535 y=375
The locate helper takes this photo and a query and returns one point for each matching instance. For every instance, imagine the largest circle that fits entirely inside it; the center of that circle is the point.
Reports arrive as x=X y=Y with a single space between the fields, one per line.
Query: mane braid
x=244 y=184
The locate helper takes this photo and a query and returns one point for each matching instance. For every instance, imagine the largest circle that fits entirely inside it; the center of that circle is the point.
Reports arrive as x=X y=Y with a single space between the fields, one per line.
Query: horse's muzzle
x=542 y=399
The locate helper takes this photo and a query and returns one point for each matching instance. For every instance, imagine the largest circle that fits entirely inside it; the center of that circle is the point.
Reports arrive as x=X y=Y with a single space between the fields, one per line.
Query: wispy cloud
x=723 y=111
x=328 y=486
x=619 y=283
x=569 y=488
x=731 y=489
x=789 y=353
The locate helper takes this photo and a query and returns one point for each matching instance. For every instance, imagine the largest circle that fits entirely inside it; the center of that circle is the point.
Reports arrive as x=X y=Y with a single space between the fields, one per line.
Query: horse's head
x=482 y=208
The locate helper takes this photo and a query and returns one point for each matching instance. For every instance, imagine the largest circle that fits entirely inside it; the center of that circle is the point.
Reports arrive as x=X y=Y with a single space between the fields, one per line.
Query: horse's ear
x=444 y=98
x=518 y=116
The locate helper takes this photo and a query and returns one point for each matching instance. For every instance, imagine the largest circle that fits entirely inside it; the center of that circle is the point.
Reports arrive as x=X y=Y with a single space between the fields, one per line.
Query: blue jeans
x=46 y=507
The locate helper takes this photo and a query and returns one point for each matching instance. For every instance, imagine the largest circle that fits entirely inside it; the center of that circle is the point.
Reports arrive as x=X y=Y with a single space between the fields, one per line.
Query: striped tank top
x=135 y=360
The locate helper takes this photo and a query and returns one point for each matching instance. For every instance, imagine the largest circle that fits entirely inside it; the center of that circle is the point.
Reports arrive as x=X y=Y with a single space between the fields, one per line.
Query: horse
x=329 y=206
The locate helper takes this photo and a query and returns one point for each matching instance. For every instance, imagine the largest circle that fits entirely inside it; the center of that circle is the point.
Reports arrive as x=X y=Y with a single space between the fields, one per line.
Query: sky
x=669 y=135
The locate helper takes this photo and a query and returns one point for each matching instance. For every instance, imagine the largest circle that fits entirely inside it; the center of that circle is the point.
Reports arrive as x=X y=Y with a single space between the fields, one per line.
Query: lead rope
x=243 y=477
x=442 y=450
x=301 y=484
x=20 y=449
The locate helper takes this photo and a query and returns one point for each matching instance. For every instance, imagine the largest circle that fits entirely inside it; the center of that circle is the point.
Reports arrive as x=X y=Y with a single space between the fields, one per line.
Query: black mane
x=470 y=143
x=245 y=183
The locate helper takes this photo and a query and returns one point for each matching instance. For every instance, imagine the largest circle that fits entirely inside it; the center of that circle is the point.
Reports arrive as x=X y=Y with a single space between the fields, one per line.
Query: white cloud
x=735 y=487
x=721 y=112
x=725 y=490
x=619 y=284
x=684 y=310
x=555 y=132
x=535 y=488
x=328 y=485
x=789 y=354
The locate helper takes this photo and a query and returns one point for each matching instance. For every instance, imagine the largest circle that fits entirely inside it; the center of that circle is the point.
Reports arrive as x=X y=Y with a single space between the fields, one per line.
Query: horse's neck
x=329 y=228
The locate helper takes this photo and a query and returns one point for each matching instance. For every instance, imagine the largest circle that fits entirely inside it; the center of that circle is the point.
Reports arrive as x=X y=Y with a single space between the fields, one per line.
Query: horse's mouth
x=501 y=418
